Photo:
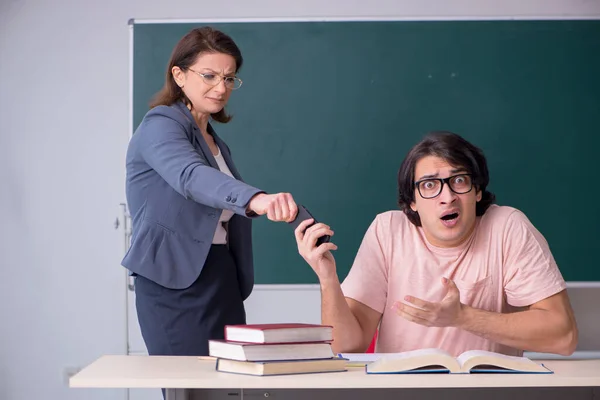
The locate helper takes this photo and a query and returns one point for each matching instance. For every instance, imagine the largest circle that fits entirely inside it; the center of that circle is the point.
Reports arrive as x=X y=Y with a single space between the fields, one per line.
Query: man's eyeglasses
x=231 y=82
x=432 y=187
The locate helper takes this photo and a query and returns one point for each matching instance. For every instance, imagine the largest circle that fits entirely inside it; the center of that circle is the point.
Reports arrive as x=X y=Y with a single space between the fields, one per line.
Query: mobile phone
x=304 y=214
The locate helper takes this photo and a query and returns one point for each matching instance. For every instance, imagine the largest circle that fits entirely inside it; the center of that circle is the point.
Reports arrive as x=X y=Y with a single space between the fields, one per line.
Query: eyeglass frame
x=443 y=181
x=221 y=78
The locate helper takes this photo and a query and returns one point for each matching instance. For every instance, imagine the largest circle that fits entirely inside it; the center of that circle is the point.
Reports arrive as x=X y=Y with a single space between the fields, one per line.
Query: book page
x=473 y=358
x=414 y=360
x=468 y=355
x=361 y=358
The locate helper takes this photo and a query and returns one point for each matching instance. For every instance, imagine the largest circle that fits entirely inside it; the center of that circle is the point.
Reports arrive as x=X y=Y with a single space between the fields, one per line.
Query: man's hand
x=318 y=257
x=278 y=207
x=446 y=313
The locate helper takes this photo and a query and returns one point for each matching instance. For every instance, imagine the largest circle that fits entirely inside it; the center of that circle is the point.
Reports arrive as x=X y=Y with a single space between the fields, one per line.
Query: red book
x=279 y=333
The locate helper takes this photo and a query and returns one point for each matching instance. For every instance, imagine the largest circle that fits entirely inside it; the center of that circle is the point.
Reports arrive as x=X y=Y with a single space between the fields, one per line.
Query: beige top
x=220 y=236
x=190 y=372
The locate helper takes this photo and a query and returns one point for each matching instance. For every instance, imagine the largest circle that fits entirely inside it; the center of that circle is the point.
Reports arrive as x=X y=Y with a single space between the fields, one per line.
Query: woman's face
x=207 y=97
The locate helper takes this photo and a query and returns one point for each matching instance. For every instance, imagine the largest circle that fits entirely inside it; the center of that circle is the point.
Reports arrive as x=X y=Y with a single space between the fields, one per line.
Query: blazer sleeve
x=165 y=147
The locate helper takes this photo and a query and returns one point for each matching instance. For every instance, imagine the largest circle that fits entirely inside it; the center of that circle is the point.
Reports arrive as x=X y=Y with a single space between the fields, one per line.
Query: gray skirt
x=180 y=322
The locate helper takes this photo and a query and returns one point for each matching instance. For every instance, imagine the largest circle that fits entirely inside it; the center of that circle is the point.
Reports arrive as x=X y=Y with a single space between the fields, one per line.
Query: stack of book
x=276 y=349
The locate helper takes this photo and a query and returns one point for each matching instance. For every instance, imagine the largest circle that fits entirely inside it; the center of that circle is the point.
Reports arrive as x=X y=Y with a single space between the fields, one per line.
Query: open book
x=436 y=360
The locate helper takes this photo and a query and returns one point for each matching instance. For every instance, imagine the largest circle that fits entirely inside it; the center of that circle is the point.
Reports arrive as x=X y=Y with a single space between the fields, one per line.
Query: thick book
x=278 y=333
x=469 y=362
x=281 y=367
x=269 y=351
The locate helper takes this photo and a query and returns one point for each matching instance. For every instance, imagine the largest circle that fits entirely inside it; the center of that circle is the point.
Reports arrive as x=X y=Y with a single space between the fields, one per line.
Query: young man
x=450 y=270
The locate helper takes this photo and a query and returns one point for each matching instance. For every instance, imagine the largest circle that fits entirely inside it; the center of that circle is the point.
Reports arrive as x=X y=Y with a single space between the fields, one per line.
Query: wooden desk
x=189 y=378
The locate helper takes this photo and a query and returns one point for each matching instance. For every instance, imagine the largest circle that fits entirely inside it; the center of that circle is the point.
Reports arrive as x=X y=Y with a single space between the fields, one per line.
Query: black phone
x=304 y=214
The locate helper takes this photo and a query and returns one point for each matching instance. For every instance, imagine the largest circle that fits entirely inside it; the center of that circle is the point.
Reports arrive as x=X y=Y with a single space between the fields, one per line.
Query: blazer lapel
x=198 y=136
x=225 y=154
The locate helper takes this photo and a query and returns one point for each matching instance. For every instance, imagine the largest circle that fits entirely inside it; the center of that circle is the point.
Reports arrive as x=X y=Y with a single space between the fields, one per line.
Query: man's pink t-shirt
x=505 y=264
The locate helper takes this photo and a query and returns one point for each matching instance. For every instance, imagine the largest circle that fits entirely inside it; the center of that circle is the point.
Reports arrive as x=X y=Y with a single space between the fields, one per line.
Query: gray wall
x=63 y=135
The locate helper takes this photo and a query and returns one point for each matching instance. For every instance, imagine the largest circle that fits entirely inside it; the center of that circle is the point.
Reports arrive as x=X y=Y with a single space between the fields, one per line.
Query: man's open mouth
x=450 y=217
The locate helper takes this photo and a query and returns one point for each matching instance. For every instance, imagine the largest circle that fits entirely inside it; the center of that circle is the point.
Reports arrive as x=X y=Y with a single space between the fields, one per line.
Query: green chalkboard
x=328 y=110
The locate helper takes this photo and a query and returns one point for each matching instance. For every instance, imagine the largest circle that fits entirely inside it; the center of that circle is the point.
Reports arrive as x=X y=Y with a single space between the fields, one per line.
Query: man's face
x=449 y=218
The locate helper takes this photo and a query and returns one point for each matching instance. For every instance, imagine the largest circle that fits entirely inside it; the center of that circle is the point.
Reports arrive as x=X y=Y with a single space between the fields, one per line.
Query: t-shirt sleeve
x=367 y=281
x=530 y=271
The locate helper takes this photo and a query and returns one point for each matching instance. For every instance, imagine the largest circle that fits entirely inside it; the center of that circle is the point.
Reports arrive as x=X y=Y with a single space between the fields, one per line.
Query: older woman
x=191 y=250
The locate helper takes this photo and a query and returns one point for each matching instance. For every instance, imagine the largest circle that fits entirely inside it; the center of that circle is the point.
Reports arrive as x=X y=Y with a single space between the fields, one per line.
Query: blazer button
x=228 y=198
x=234 y=200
